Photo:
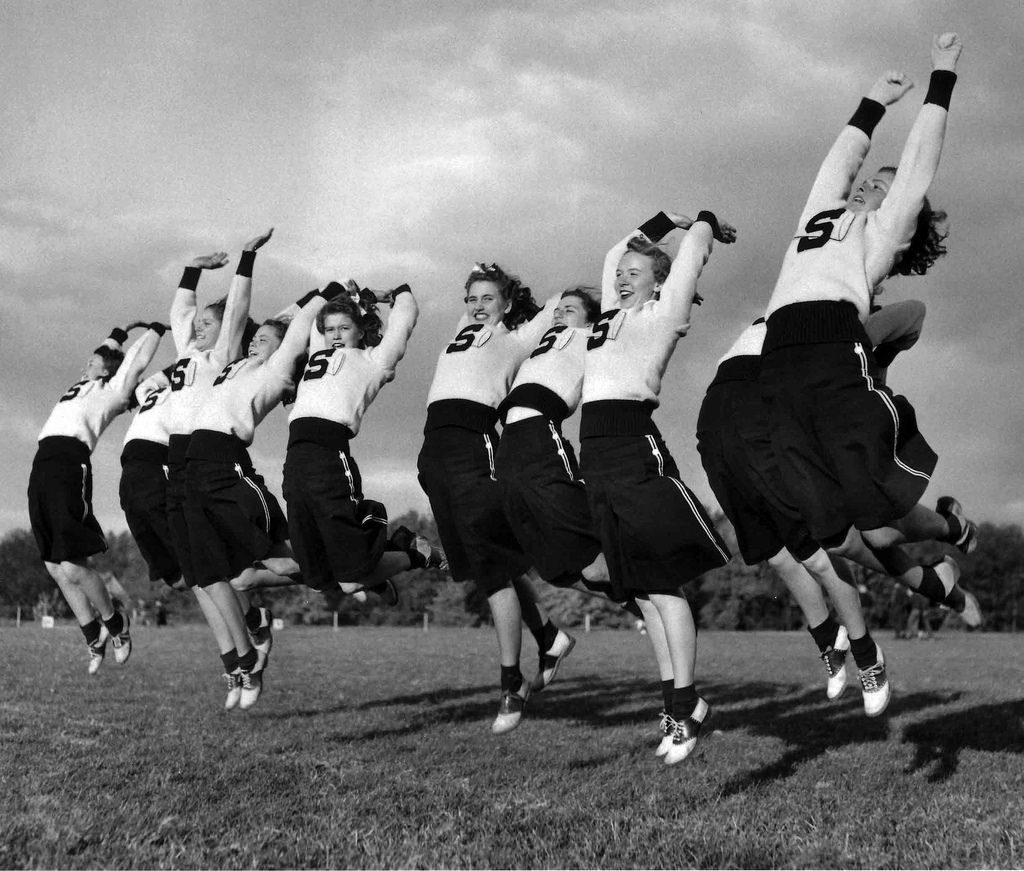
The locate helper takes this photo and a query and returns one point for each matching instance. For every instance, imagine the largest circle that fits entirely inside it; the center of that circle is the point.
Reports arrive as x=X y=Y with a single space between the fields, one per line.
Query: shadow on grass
x=433 y=697
x=939 y=741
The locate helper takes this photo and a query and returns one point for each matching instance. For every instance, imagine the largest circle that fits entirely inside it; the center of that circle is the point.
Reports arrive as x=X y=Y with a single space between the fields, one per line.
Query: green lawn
x=372 y=748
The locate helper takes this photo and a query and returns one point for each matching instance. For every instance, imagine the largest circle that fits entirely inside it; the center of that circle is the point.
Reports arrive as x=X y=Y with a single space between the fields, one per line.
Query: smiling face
x=207 y=329
x=340 y=331
x=570 y=312
x=485 y=303
x=872 y=192
x=264 y=343
x=635 y=283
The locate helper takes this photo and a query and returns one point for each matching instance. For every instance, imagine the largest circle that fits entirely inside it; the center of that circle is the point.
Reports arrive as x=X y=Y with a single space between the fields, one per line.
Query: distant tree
x=25 y=579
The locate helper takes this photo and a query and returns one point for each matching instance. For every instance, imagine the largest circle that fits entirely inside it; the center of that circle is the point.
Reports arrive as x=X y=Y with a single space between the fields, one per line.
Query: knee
x=243 y=583
x=882 y=538
x=818 y=563
x=842 y=544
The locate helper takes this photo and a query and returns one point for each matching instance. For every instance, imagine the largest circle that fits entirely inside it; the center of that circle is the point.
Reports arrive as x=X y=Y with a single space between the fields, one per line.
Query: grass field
x=371 y=748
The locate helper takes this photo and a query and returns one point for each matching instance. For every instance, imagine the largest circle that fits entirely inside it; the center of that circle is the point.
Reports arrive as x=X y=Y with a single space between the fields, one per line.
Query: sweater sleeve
x=529 y=334
x=894 y=223
x=296 y=337
x=236 y=314
x=396 y=337
x=183 y=311
x=839 y=169
x=136 y=359
x=680 y=287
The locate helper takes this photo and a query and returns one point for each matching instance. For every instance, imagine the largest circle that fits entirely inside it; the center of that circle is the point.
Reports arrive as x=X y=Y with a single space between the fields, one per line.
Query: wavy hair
x=512 y=289
x=112 y=359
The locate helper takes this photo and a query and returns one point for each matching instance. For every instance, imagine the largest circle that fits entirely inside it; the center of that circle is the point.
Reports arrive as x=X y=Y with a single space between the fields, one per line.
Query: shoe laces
x=869 y=676
x=832 y=658
x=246 y=680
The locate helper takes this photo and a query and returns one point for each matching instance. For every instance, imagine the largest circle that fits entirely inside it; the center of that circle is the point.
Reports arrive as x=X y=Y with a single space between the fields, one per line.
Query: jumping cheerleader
x=849 y=451
x=60 y=487
x=655 y=535
x=456 y=466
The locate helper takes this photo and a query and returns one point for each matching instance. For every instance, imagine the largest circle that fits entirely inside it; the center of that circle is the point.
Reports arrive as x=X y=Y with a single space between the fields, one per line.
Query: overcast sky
x=393 y=142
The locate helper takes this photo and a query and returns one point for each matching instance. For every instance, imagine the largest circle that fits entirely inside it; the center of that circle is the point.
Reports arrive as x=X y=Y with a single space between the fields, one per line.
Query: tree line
x=734 y=597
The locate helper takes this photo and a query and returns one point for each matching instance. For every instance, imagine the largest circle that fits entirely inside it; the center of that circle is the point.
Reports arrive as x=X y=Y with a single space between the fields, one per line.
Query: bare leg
x=91 y=584
x=835 y=576
x=73 y=594
x=681 y=635
x=597 y=570
x=508 y=624
x=221 y=633
x=532 y=614
x=802 y=587
x=656 y=633
x=922 y=524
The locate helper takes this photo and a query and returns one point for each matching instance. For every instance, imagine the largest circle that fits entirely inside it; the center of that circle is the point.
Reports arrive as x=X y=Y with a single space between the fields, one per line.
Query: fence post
x=586 y=623
x=18 y=620
x=335 y=621
x=426 y=622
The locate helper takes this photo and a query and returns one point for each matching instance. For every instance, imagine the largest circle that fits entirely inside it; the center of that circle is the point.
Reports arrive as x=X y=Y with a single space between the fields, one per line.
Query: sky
x=396 y=142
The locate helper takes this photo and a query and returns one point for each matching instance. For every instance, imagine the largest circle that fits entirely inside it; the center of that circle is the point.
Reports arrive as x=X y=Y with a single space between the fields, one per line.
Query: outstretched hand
x=259 y=241
x=890 y=86
x=946 y=48
x=211 y=261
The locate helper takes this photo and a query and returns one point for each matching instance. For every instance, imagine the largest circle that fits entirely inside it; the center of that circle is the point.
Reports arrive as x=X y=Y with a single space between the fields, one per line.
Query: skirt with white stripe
x=232 y=518
x=456 y=471
x=848 y=448
x=338 y=537
x=655 y=534
x=545 y=500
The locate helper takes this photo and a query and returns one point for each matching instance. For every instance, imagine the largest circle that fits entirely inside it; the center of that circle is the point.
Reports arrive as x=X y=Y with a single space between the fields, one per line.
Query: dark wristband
x=658 y=227
x=158 y=328
x=332 y=291
x=245 y=263
x=867 y=116
x=940 y=88
x=709 y=218
x=302 y=301
x=402 y=288
x=118 y=335
x=190 y=278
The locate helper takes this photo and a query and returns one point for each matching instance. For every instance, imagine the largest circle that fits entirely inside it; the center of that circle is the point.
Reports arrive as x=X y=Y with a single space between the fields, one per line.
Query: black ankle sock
x=864 y=651
x=666 y=694
x=548 y=634
x=247 y=661
x=824 y=634
x=230 y=660
x=91 y=631
x=115 y=625
x=416 y=559
x=253 y=618
x=684 y=700
x=956 y=599
x=511 y=678
x=931 y=587
x=955 y=528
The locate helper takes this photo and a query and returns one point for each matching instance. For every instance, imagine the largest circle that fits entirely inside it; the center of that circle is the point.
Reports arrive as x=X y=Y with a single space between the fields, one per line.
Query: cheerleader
x=851 y=457
x=734 y=443
x=143 y=486
x=457 y=467
x=207 y=340
x=60 y=487
x=542 y=492
x=338 y=537
x=654 y=533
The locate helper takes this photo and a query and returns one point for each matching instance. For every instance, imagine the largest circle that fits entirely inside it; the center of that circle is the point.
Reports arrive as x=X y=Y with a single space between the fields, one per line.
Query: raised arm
x=136 y=359
x=897 y=216
x=296 y=337
x=680 y=288
x=838 y=171
x=398 y=331
x=183 y=308
x=654 y=230
x=236 y=309
x=529 y=334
